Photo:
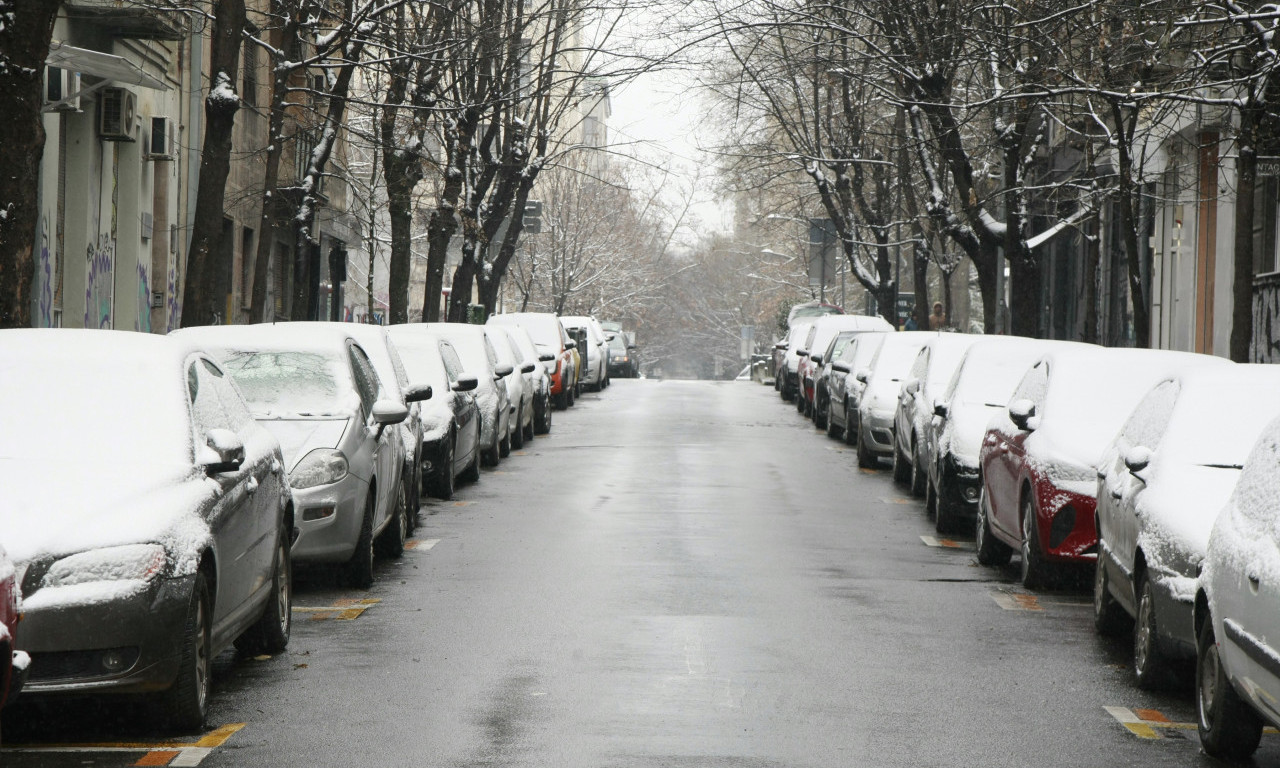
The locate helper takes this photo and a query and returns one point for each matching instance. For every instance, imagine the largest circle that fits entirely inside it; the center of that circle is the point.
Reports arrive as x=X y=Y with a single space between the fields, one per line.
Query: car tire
x=833 y=431
x=821 y=411
x=944 y=519
x=527 y=432
x=991 y=551
x=360 y=567
x=504 y=445
x=1150 y=665
x=186 y=703
x=800 y=403
x=442 y=486
x=517 y=434
x=1109 y=619
x=1229 y=728
x=391 y=541
x=542 y=425
x=850 y=426
x=901 y=470
x=472 y=473
x=413 y=497
x=919 y=480
x=866 y=459
x=1035 y=571
x=270 y=633
x=570 y=395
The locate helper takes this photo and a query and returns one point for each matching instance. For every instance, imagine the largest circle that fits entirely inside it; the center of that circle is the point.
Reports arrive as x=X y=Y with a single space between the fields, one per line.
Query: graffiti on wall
x=143 y=323
x=173 y=309
x=101 y=276
x=44 y=279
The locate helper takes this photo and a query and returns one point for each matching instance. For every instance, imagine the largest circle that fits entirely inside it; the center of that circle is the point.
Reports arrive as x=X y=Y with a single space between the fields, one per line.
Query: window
x=249 y=73
x=452 y=364
x=366 y=380
x=206 y=407
x=1265 y=223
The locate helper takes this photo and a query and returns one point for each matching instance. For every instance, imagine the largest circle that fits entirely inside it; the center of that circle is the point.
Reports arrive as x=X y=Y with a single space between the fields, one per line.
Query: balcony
x=1265 y=347
x=126 y=18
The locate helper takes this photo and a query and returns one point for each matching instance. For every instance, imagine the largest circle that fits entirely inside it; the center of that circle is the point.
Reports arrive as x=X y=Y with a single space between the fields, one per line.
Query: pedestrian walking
x=937 y=320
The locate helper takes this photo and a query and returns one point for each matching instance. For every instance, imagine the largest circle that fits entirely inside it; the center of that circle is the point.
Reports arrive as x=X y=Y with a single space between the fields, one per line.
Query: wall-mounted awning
x=104 y=65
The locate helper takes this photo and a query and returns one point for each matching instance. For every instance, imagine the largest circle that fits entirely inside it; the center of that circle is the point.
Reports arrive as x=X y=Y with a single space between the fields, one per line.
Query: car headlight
x=320 y=467
x=136 y=562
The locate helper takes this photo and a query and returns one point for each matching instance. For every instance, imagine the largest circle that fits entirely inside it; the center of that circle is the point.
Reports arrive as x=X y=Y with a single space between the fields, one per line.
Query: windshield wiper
x=1223 y=466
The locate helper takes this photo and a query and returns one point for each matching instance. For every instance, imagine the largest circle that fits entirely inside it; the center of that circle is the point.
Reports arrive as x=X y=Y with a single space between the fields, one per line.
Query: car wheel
x=270 y=633
x=1229 y=728
x=850 y=426
x=186 y=703
x=570 y=394
x=800 y=405
x=391 y=540
x=360 y=566
x=901 y=469
x=517 y=433
x=527 y=432
x=866 y=459
x=504 y=445
x=442 y=484
x=1109 y=618
x=472 y=473
x=918 y=477
x=1149 y=665
x=542 y=425
x=1035 y=571
x=413 y=497
x=833 y=431
x=991 y=551
x=821 y=411
x=944 y=521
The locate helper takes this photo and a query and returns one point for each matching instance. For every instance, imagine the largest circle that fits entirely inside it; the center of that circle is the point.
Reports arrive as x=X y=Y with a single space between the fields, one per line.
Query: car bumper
x=1066 y=530
x=959 y=487
x=328 y=520
x=129 y=644
x=877 y=433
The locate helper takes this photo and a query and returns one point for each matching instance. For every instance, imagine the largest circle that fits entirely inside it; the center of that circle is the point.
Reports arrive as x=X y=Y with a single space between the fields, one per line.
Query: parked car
x=624 y=358
x=536 y=377
x=1237 y=610
x=172 y=542
x=314 y=387
x=577 y=347
x=375 y=341
x=13 y=662
x=824 y=362
x=844 y=386
x=594 y=351
x=1039 y=458
x=519 y=390
x=878 y=402
x=928 y=377
x=553 y=350
x=1161 y=483
x=810 y=310
x=979 y=390
x=821 y=333
x=480 y=360
x=450 y=418
x=788 y=371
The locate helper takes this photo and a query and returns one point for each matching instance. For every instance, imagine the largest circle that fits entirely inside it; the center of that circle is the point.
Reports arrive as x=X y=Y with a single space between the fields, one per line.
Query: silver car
x=173 y=540
x=316 y=390
x=480 y=360
x=519 y=384
x=539 y=380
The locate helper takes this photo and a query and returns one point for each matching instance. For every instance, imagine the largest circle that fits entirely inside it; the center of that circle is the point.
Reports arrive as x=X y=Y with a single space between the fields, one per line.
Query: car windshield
x=421 y=357
x=279 y=383
x=545 y=332
x=471 y=351
x=618 y=345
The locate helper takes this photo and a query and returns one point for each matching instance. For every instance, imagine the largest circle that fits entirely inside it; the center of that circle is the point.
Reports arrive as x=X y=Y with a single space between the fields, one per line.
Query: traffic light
x=533 y=217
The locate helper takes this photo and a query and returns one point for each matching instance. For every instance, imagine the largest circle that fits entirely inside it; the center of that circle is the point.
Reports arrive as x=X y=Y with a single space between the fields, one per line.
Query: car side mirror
x=546 y=357
x=571 y=344
x=817 y=359
x=1137 y=459
x=634 y=347
x=1021 y=412
x=503 y=371
x=465 y=384
x=863 y=375
x=802 y=353
x=528 y=367
x=912 y=387
x=840 y=368
x=223 y=452
x=779 y=345
x=940 y=410
x=417 y=393
x=387 y=412
x=610 y=336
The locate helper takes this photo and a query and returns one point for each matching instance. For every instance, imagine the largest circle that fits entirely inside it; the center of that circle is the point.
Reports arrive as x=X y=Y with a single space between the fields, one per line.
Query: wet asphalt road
x=681 y=574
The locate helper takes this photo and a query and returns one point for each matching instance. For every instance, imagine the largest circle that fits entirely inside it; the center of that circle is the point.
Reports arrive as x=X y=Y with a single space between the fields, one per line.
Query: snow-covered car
x=173 y=540
x=1236 y=618
x=1040 y=457
x=624 y=358
x=878 y=401
x=314 y=387
x=553 y=349
x=928 y=377
x=788 y=370
x=450 y=418
x=1161 y=483
x=536 y=378
x=811 y=310
x=13 y=662
x=809 y=360
x=519 y=389
x=480 y=360
x=825 y=361
x=595 y=370
x=373 y=339
x=979 y=390
x=844 y=386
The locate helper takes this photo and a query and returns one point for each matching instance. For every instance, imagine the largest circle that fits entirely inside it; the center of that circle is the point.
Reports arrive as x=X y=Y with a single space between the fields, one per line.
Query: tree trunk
x=1128 y=203
x=1242 y=284
x=203 y=301
x=1092 y=273
x=25 y=34
x=444 y=219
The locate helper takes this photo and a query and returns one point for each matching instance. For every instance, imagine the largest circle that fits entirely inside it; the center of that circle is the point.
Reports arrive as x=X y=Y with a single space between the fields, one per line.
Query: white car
x=882 y=382
x=539 y=381
x=1237 y=610
x=595 y=358
x=1161 y=484
x=479 y=359
x=788 y=376
x=929 y=376
x=519 y=388
x=314 y=388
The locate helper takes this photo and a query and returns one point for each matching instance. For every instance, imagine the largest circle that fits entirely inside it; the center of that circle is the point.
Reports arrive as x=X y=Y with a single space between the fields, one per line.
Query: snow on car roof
x=1219 y=414
x=827 y=327
x=468 y=340
x=420 y=352
x=543 y=327
x=373 y=340
x=993 y=366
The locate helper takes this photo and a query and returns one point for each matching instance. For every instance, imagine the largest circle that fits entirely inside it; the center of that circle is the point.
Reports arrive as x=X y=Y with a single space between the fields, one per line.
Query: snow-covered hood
x=436 y=416
x=298 y=437
x=966 y=428
x=125 y=505
x=1179 y=508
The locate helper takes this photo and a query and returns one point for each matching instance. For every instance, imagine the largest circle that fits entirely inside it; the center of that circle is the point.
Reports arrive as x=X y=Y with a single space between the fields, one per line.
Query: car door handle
x=1254 y=581
x=252 y=485
x=1116 y=495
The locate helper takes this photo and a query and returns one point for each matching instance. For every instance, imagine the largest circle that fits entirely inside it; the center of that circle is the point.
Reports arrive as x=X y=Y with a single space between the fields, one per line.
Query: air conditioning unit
x=59 y=84
x=160 y=144
x=117 y=112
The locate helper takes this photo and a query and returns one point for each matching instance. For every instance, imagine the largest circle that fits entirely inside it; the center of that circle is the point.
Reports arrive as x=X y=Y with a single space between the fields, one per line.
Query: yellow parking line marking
x=1144 y=722
x=158 y=757
x=421 y=545
x=343 y=609
x=932 y=541
x=898 y=501
x=461 y=503
x=215 y=738
x=218 y=736
x=866 y=471
x=1017 y=601
x=169 y=753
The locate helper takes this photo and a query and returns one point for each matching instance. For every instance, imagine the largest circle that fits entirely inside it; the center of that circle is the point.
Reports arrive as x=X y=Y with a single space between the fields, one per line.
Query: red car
x=13 y=663
x=1039 y=460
